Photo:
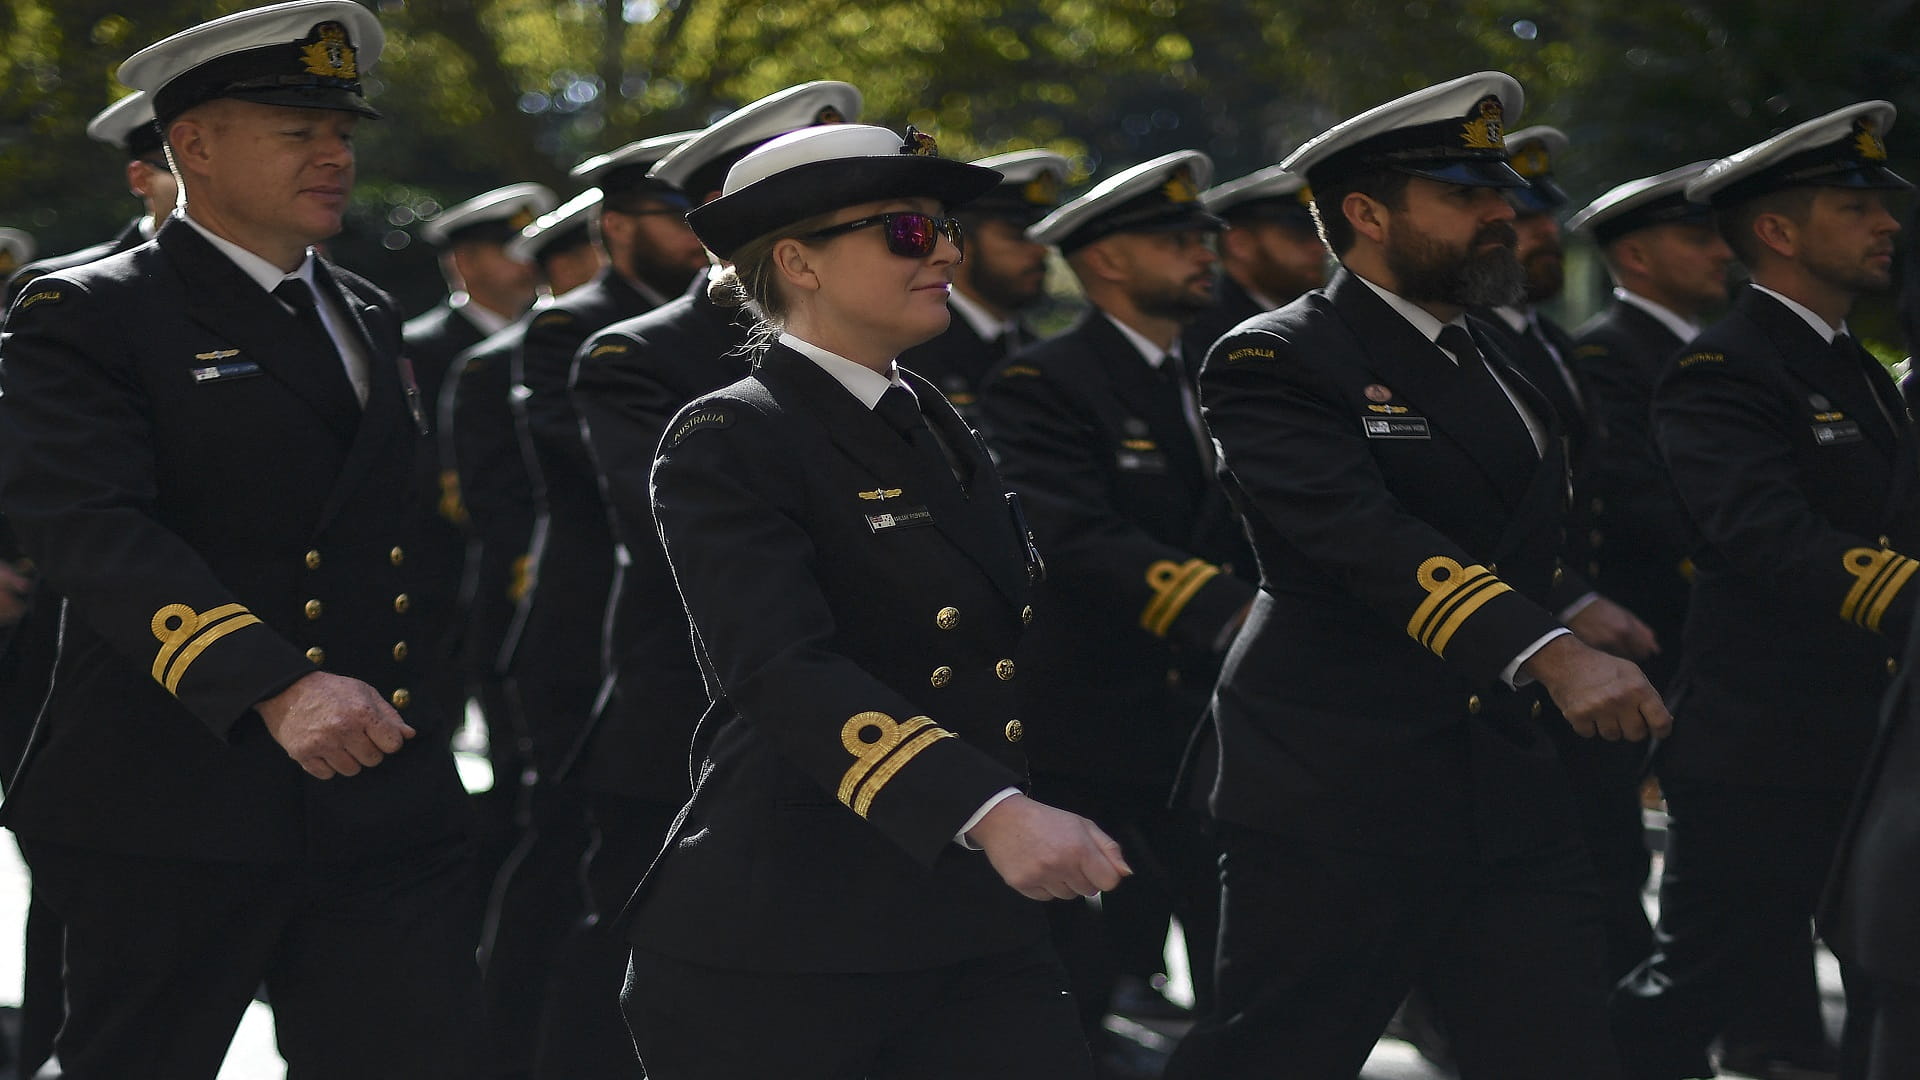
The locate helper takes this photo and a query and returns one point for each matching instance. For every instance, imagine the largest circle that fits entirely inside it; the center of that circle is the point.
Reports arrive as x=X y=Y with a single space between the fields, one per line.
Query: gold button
x=400 y=698
x=1493 y=568
x=1536 y=710
x=313 y=609
x=401 y=603
x=399 y=650
x=947 y=618
x=942 y=675
x=1558 y=575
x=397 y=556
x=1016 y=731
x=1004 y=669
x=1473 y=704
x=1026 y=614
x=313 y=559
x=317 y=655
x=1883 y=541
x=1893 y=666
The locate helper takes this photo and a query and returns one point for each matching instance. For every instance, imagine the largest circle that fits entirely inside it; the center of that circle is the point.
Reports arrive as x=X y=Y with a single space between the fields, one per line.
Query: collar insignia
x=331 y=54
x=1484 y=130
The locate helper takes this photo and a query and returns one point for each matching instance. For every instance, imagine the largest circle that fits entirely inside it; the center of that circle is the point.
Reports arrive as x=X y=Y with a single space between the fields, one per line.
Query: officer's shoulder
x=1268 y=336
x=1729 y=349
x=743 y=406
x=50 y=294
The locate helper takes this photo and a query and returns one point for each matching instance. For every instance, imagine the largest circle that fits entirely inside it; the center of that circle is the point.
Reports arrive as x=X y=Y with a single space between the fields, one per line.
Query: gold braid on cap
x=918 y=143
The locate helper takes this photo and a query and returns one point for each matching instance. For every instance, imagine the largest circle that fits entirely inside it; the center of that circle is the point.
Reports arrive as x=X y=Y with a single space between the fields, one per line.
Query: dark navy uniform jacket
x=1404 y=564
x=128 y=238
x=1643 y=562
x=628 y=382
x=1141 y=550
x=857 y=611
x=1803 y=489
x=196 y=476
x=559 y=635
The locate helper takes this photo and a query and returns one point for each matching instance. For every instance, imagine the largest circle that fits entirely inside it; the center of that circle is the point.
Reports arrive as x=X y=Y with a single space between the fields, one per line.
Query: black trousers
x=369 y=969
x=1744 y=870
x=1318 y=945
x=583 y=1035
x=1895 y=1043
x=1175 y=869
x=1004 y=1016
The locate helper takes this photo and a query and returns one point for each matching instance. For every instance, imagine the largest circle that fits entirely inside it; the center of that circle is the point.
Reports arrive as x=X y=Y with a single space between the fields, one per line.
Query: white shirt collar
x=1520 y=319
x=861 y=381
x=1683 y=328
x=1153 y=354
x=1827 y=333
x=984 y=322
x=264 y=273
x=484 y=319
x=1422 y=319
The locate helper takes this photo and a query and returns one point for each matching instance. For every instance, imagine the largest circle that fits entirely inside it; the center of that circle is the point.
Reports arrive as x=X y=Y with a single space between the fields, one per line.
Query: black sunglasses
x=910 y=234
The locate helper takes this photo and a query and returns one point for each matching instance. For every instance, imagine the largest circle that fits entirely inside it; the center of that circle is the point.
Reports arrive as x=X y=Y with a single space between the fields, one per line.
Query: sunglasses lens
x=911 y=236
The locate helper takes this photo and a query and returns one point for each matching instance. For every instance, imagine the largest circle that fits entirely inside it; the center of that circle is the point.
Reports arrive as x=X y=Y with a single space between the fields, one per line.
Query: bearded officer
x=1269 y=251
x=1003 y=277
x=218 y=499
x=1390 y=811
x=1794 y=457
x=1098 y=430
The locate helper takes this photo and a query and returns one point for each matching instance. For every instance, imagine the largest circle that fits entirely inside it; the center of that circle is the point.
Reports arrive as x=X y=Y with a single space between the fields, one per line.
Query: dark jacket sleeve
x=77 y=481
x=1292 y=448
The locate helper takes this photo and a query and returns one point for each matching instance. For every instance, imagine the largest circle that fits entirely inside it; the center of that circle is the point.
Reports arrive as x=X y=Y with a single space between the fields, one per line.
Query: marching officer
x=632 y=767
x=1003 y=276
x=1270 y=252
x=1391 y=813
x=1794 y=457
x=127 y=126
x=857 y=586
x=225 y=789
x=1099 y=431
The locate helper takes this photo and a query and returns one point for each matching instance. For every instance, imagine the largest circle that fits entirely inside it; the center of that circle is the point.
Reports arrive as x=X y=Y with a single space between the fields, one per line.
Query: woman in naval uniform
x=849 y=894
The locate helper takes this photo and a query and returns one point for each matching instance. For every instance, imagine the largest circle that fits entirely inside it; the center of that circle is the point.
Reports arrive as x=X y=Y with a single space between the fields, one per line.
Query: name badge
x=1141 y=461
x=906 y=517
x=214 y=372
x=1846 y=431
x=1395 y=427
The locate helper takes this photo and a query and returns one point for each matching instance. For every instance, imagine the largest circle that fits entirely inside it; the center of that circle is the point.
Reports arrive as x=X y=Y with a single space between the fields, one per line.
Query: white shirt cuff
x=1001 y=796
x=1567 y=613
x=1511 y=674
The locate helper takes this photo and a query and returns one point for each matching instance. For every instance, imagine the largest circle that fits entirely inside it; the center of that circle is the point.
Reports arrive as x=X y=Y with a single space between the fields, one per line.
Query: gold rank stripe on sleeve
x=184 y=634
x=1173 y=584
x=879 y=758
x=1878 y=578
x=1454 y=593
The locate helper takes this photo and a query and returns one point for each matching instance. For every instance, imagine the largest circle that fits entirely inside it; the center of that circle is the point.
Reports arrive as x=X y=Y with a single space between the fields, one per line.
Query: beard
x=1431 y=271
x=1014 y=291
x=1182 y=302
x=1546 y=273
x=667 y=278
x=1852 y=275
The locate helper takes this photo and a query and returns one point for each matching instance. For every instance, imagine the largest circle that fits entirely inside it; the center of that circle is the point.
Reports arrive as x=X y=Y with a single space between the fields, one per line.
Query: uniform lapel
x=386 y=408
x=1147 y=394
x=1821 y=374
x=221 y=297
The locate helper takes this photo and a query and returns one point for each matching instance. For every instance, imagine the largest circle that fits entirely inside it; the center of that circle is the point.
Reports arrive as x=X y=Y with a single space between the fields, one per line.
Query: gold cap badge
x=331 y=54
x=1180 y=187
x=1866 y=141
x=1485 y=129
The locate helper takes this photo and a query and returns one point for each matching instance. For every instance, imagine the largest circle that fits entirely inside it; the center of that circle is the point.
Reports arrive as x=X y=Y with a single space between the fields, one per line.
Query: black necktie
x=901 y=410
x=1886 y=397
x=295 y=294
x=1498 y=418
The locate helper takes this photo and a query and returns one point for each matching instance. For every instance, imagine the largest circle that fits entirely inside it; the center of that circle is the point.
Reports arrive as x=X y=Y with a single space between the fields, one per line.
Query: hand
x=1046 y=853
x=1597 y=693
x=333 y=725
x=15 y=588
x=1607 y=626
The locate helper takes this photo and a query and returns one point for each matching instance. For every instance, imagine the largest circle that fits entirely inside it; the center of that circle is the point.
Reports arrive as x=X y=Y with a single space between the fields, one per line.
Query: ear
x=190 y=136
x=1778 y=232
x=1238 y=243
x=1628 y=255
x=618 y=228
x=137 y=179
x=1367 y=215
x=793 y=261
x=1106 y=259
